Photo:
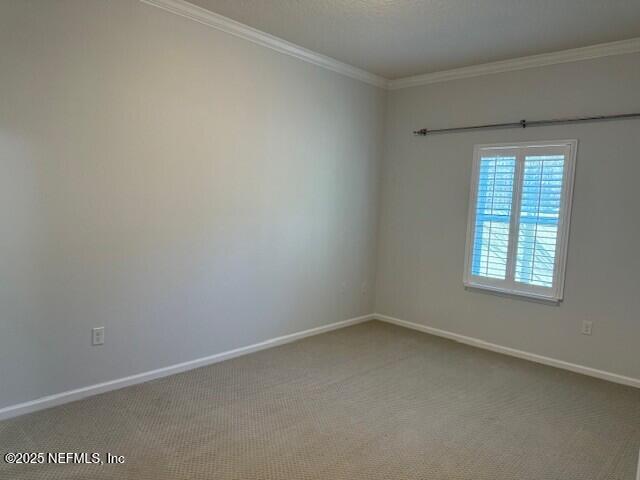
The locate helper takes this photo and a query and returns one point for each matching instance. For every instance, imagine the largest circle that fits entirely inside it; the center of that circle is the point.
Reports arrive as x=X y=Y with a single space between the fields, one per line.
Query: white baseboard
x=592 y=372
x=79 y=393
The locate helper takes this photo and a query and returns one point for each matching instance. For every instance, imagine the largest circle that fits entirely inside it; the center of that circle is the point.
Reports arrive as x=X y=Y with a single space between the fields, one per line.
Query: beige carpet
x=373 y=401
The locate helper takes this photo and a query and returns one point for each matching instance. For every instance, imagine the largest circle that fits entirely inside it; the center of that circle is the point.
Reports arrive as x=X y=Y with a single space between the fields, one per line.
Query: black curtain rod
x=524 y=123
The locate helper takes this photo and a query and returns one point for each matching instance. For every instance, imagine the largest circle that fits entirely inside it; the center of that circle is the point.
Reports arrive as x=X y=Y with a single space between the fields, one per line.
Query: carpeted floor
x=373 y=401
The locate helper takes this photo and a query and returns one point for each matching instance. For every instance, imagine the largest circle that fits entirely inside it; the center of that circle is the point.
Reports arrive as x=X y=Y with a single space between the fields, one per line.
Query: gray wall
x=190 y=191
x=194 y=193
x=425 y=200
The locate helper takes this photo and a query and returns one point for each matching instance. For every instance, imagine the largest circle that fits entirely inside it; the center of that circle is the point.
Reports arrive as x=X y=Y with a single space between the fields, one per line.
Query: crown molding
x=227 y=25
x=563 y=56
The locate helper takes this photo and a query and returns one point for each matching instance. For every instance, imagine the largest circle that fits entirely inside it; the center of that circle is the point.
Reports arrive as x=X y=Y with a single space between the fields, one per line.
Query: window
x=519 y=218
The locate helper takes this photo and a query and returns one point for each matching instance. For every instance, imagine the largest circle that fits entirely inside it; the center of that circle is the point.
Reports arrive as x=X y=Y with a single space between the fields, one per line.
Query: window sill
x=506 y=292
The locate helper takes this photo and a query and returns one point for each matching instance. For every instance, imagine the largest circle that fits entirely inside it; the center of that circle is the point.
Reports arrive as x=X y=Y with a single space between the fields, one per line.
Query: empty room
x=319 y=239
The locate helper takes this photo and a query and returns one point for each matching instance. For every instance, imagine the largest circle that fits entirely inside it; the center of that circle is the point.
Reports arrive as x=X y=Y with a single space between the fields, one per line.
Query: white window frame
x=509 y=285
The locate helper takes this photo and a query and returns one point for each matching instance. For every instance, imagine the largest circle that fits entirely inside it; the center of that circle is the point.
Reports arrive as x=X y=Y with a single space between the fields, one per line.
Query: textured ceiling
x=398 y=38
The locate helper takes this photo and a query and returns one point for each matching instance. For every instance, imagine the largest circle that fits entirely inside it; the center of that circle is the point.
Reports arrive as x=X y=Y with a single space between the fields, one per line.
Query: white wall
x=189 y=190
x=425 y=200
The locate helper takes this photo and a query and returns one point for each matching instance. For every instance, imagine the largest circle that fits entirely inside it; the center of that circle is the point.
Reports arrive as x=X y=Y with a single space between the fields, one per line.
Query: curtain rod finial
x=421 y=133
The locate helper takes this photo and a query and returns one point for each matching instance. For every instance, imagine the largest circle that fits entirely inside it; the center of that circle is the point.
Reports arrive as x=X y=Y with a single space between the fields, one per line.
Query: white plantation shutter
x=518 y=218
x=493 y=216
x=539 y=218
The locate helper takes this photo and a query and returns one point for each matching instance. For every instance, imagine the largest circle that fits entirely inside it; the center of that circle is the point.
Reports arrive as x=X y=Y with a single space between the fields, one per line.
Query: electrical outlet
x=587 y=327
x=97 y=336
x=364 y=288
